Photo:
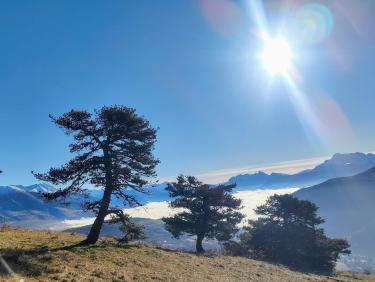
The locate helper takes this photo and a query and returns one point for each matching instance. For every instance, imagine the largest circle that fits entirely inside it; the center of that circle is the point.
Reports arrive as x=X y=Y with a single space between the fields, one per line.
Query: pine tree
x=130 y=230
x=113 y=150
x=287 y=232
x=209 y=212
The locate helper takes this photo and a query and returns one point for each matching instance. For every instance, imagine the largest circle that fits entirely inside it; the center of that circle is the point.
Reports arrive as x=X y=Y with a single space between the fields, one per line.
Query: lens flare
x=314 y=23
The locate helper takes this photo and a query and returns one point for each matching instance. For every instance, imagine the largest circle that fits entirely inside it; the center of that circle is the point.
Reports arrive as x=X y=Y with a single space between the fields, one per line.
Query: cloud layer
x=157 y=210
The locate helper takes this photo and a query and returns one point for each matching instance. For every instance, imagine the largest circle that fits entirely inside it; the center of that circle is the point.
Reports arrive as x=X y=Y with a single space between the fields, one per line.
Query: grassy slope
x=40 y=256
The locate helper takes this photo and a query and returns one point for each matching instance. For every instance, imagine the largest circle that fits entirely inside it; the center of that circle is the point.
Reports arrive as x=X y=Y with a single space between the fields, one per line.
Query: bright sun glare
x=276 y=56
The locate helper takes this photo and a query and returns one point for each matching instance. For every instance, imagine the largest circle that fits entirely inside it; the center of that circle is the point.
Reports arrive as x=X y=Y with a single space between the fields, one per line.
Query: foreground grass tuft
x=52 y=256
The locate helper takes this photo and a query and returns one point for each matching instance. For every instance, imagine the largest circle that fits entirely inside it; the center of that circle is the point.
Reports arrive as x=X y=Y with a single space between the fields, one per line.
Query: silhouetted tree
x=208 y=212
x=287 y=232
x=113 y=148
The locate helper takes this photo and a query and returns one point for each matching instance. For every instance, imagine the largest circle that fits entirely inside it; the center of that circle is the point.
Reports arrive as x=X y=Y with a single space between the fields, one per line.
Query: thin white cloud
x=222 y=175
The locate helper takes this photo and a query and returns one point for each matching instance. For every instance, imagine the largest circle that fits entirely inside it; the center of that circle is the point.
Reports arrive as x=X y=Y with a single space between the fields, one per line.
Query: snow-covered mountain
x=340 y=165
x=38 y=188
x=23 y=204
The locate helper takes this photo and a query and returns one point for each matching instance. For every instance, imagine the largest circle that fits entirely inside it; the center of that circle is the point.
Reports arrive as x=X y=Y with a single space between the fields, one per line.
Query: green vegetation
x=52 y=256
x=209 y=212
x=113 y=149
x=287 y=233
x=130 y=230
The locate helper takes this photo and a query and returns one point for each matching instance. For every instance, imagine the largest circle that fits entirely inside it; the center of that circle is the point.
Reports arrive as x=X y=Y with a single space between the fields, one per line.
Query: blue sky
x=192 y=70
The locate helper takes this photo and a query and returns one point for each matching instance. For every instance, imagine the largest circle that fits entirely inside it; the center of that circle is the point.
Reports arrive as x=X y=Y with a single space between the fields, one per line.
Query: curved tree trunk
x=198 y=246
x=94 y=233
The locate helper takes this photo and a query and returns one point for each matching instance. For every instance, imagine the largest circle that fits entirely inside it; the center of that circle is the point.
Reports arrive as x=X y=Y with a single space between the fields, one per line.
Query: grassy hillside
x=48 y=256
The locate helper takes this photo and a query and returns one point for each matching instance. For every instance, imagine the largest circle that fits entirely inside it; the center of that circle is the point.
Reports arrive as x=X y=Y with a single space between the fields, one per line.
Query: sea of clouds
x=157 y=210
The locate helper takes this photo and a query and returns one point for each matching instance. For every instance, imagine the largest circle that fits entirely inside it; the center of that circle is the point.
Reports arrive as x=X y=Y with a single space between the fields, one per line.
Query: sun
x=276 y=56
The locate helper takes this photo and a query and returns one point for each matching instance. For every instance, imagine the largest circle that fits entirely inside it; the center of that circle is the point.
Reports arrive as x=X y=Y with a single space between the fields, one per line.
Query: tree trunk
x=198 y=246
x=94 y=233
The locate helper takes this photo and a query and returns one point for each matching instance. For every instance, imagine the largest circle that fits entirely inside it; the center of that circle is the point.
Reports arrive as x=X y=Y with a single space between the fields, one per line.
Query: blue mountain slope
x=347 y=204
x=24 y=203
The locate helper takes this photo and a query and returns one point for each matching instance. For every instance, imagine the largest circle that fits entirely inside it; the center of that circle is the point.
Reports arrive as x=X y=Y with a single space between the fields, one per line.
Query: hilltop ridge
x=49 y=256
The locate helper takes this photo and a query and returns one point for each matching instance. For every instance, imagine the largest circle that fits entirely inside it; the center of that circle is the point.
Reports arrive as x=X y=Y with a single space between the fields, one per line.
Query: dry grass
x=48 y=256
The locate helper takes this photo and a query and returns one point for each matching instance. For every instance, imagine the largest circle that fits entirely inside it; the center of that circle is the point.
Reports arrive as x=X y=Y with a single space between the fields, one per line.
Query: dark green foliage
x=287 y=233
x=209 y=212
x=113 y=150
x=130 y=230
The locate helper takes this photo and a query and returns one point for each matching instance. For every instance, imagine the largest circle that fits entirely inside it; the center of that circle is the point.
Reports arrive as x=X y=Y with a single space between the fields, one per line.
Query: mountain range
x=24 y=204
x=340 y=165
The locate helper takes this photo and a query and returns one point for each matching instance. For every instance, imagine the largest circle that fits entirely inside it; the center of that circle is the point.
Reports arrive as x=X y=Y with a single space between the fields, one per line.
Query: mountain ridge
x=339 y=165
x=17 y=200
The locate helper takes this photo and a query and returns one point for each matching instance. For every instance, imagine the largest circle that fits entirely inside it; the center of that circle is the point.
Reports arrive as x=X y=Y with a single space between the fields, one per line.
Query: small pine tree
x=287 y=232
x=208 y=212
x=113 y=150
x=130 y=230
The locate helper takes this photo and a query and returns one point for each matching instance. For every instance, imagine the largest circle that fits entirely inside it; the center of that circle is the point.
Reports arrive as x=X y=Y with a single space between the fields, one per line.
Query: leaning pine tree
x=208 y=211
x=113 y=150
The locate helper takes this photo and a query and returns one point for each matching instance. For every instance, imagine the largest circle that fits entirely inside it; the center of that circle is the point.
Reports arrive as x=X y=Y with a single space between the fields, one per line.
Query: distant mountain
x=19 y=203
x=37 y=188
x=339 y=165
x=153 y=193
x=24 y=204
x=348 y=205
